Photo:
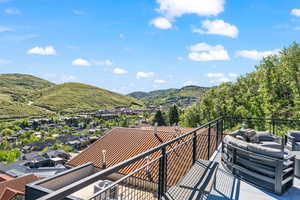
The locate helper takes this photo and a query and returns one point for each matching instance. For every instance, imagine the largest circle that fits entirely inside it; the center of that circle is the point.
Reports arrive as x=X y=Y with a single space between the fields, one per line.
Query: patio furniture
x=260 y=159
x=293 y=140
x=297 y=162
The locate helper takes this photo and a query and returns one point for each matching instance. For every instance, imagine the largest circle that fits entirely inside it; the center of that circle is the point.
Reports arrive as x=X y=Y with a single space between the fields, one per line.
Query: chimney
x=155 y=129
x=104 y=158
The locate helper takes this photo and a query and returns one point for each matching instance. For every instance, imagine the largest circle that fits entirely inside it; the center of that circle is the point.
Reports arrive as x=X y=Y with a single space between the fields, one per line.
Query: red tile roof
x=17 y=184
x=4 y=177
x=121 y=144
x=124 y=143
x=9 y=194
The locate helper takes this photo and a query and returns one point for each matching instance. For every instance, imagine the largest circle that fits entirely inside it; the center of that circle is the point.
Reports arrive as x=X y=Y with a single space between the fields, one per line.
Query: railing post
x=162 y=174
x=217 y=133
x=273 y=126
x=208 y=143
x=222 y=127
x=194 y=147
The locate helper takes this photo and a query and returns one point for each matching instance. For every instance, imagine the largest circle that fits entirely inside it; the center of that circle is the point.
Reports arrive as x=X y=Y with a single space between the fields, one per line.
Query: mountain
x=272 y=91
x=24 y=95
x=12 y=109
x=15 y=95
x=75 y=97
x=182 y=97
x=21 y=84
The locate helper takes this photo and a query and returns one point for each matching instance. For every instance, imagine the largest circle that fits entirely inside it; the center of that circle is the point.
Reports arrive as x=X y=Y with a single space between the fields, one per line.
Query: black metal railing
x=275 y=126
x=150 y=174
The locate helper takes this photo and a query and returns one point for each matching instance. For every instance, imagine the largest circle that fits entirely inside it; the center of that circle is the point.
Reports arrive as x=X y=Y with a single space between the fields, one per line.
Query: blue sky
x=133 y=45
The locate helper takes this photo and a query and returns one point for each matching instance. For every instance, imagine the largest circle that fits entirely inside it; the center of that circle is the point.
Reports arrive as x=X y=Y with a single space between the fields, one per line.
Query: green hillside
x=272 y=91
x=74 y=97
x=18 y=87
x=182 y=97
x=15 y=95
x=11 y=109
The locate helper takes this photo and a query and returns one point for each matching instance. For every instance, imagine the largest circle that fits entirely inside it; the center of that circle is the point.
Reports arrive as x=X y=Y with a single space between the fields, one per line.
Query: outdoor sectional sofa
x=293 y=140
x=259 y=159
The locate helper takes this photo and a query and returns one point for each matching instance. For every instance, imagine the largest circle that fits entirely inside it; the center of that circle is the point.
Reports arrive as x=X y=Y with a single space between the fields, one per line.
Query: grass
x=75 y=97
x=10 y=109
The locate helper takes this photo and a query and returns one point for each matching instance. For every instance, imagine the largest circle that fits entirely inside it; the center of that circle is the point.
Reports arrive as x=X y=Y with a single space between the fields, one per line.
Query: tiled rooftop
x=16 y=185
x=124 y=143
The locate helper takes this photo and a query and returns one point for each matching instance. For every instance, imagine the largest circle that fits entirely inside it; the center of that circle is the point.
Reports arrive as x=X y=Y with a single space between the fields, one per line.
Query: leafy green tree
x=7 y=132
x=159 y=119
x=272 y=91
x=173 y=115
x=9 y=156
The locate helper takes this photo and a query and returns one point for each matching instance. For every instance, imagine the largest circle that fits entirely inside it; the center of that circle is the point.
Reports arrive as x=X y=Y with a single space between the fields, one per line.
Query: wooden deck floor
x=196 y=183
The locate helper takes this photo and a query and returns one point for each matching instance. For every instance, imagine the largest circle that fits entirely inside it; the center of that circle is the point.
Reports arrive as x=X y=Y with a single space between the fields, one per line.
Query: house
x=123 y=143
x=10 y=189
x=57 y=154
x=23 y=167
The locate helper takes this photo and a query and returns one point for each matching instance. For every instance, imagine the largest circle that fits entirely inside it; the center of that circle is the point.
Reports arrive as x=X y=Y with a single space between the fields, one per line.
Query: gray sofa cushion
x=297 y=146
x=295 y=134
x=240 y=137
x=271 y=145
x=256 y=148
x=264 y=136
x=235 y=142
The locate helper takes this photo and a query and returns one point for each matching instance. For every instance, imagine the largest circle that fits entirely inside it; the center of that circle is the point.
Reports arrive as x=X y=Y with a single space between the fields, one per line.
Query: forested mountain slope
x=273 y=90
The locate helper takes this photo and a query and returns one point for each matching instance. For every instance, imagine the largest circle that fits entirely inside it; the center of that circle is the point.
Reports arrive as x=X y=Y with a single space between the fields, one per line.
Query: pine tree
x=159 y=119
x=173 y=115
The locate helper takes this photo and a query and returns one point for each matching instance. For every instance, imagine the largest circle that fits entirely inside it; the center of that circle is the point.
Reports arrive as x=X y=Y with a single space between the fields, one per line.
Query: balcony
x=182 y=168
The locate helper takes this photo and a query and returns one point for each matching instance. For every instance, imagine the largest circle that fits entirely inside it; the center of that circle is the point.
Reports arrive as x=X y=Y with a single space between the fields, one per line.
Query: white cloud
x=177 y=8
x=5 y=29
x=223 y=79
x=295 y=12
x=79 y=12
x=206 y=52
x=81 y=62
x=256 y=55
x=120 y=71
x=160 y=81
x=144 y=75
x=161 y=23
x=106 y=62
x=213 y=75
x=4 y=61
x=48 y=50
x=233 y=75
x=186 y=83
x=12 y=11
x=218 y=27
x=67 y=78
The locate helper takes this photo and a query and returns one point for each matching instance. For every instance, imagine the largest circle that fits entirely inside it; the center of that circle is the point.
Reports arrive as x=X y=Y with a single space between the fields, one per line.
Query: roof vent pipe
x=104 y=158
x=155 y=129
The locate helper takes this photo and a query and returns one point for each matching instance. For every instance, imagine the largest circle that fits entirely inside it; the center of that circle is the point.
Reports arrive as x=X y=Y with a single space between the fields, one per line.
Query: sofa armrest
x=289 y=137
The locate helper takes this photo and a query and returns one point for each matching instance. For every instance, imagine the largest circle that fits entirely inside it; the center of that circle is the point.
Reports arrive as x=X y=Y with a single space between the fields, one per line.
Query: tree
x=272 y=91
x=173 y=115
x=159 y=119
x=7 y=132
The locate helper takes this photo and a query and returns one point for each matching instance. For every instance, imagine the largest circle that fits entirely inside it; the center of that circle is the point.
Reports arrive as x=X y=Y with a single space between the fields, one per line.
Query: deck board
x=196 y=183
